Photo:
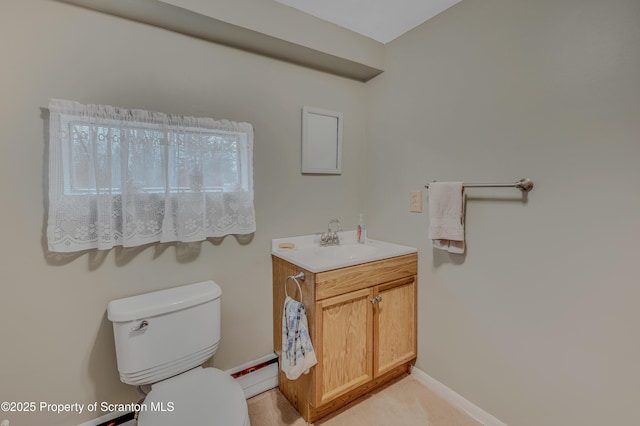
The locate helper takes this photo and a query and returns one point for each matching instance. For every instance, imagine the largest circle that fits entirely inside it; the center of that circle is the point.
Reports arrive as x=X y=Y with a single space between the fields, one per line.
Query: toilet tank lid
x=162 y=301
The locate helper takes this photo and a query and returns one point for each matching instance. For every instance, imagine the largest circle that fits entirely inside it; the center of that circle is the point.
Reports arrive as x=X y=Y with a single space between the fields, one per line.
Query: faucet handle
x=337 y=222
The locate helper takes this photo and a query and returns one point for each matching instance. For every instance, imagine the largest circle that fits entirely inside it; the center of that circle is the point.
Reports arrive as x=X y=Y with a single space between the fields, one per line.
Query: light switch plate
x=415 y=201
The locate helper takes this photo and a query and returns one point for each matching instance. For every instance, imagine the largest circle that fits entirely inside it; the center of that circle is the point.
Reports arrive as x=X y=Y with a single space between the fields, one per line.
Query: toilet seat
x=199 y=397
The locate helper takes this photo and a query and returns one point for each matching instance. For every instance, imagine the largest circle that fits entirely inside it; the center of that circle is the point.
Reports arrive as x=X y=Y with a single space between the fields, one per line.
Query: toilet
x=162 y=338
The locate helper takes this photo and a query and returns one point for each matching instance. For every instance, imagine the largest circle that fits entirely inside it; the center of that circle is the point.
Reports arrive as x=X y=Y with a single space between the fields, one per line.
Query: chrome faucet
x=331 y=237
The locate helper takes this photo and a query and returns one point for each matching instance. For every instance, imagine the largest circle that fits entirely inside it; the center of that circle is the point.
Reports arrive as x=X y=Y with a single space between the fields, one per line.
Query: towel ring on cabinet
x=294 y=278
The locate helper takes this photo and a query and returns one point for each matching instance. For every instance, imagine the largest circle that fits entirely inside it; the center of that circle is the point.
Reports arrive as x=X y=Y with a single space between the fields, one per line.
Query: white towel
x=298 y=355
x=446 y=216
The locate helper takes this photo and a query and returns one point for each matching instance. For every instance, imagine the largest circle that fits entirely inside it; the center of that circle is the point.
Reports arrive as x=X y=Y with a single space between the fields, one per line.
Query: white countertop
x=308 y=253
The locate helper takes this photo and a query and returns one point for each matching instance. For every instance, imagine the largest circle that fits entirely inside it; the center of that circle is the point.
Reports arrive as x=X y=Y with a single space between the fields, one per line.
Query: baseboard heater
x=120 y=420
x=257 y=376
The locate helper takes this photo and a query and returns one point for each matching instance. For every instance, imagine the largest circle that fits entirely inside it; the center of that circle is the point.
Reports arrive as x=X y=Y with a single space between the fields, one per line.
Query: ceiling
x=381 y=20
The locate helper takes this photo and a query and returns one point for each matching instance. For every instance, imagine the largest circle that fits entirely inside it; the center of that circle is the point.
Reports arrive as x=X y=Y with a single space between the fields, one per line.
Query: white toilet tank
x=164 y=333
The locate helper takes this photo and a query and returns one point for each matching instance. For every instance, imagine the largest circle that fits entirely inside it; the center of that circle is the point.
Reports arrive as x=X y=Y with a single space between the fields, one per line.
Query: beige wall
x=56 y=344
x=538 y=323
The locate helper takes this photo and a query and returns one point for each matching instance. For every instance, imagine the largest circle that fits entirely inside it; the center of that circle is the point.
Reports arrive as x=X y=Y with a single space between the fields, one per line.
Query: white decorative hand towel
x=446 y=216
x=298 y=355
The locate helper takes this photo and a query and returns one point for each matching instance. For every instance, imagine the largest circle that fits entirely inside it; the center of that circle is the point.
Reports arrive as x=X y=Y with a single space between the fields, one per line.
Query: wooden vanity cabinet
x=363 y=325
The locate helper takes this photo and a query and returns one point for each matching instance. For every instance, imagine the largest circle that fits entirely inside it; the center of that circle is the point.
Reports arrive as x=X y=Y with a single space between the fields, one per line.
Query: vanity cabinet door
x=345 y=359
x=395 y=324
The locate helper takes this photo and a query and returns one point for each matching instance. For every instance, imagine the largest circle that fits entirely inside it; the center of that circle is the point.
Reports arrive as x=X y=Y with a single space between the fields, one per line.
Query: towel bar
x=524 y=185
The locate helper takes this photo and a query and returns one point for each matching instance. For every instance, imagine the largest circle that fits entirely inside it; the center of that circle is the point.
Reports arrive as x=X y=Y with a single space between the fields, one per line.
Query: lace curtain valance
x=132 y=177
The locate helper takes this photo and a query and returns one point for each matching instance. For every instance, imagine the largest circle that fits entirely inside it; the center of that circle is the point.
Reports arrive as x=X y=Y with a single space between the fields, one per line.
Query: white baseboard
x=456 y=400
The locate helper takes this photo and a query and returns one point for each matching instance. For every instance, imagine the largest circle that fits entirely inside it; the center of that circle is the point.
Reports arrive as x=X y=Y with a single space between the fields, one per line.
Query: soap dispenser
x=362 y=230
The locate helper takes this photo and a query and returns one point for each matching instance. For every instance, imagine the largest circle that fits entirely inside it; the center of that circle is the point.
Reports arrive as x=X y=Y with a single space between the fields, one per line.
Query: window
x=130 y=177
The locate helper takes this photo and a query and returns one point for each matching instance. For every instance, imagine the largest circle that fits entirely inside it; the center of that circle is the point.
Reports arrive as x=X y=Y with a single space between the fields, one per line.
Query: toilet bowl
x=162 y=338
x=202 y=396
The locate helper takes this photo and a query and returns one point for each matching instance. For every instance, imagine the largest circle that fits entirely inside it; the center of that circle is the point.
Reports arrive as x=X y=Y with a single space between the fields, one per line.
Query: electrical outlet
x=415 y=201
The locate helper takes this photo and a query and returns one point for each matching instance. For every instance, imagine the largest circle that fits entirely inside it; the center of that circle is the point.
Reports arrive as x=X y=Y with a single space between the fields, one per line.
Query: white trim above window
x=132 y=177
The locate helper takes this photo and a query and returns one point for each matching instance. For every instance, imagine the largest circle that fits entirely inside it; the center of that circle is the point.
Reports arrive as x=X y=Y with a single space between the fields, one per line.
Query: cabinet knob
x=376 y=300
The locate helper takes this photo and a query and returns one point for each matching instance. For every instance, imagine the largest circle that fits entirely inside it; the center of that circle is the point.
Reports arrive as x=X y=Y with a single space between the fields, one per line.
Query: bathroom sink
x=310 y=255
x=346 y=251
